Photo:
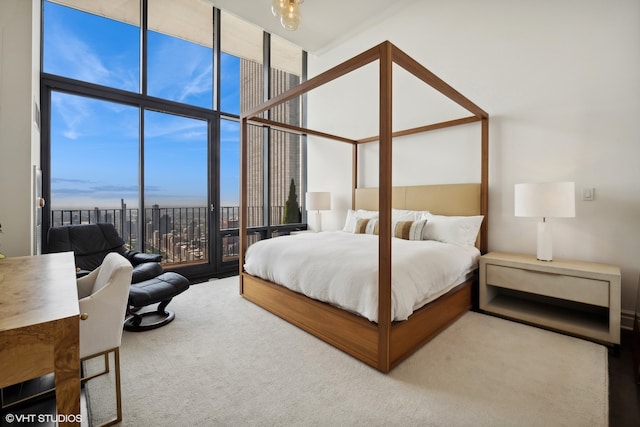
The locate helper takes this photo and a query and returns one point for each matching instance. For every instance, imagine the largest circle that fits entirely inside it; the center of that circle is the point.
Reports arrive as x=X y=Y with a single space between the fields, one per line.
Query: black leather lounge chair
x=150 y=284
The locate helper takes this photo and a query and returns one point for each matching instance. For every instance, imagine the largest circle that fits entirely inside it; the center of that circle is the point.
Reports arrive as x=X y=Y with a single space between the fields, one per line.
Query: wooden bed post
x=484 y=185
x=384 y=209
x=354 y=174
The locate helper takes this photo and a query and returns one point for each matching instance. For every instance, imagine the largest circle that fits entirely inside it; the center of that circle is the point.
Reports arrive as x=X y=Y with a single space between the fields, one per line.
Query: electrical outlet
x=588 y=194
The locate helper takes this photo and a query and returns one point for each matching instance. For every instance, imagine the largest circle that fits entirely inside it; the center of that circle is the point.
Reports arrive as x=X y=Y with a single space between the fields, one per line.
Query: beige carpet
x=224 y=361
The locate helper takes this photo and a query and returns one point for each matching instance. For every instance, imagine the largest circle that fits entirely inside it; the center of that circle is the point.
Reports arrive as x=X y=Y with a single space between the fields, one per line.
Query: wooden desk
x=39 y=326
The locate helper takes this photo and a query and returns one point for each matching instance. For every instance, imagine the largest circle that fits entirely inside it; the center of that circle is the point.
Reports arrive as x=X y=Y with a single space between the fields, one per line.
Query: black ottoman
x=160 y=290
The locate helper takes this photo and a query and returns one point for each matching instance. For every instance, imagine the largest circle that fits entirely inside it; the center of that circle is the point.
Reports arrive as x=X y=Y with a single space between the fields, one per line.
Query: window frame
x=217 y=266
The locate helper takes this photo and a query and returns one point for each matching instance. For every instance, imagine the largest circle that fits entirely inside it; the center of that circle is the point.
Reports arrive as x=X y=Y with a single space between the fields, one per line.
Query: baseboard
x=626 y=319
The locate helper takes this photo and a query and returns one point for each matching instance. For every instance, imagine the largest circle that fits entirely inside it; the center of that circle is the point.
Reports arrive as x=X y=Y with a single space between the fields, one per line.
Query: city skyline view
x=142 y=144
x=95 y=144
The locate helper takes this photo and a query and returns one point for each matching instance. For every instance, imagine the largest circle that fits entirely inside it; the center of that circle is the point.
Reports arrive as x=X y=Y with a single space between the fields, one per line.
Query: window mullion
x=266 y=93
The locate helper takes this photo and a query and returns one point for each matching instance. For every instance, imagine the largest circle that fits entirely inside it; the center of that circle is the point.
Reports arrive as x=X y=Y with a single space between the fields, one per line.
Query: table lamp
x=545 y=200
x=318 y=201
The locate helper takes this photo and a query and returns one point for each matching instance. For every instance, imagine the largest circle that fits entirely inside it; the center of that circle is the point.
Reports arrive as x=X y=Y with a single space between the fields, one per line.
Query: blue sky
x=94 y=154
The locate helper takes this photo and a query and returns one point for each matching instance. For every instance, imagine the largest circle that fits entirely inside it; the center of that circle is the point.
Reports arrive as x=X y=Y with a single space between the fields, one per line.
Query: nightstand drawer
x=572 y=288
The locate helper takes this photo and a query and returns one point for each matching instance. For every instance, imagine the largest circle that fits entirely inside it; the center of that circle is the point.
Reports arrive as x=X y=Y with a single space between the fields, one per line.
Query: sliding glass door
x=176 y=208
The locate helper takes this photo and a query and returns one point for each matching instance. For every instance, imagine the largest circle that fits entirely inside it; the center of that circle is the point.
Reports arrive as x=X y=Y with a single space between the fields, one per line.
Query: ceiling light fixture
x=288 y=11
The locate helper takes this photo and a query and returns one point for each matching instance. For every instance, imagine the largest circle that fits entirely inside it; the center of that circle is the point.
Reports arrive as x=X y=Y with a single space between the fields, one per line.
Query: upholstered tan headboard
x=443 y=199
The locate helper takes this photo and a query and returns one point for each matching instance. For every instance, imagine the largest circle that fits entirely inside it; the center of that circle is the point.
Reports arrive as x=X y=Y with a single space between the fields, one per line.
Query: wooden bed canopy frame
x=384 y=344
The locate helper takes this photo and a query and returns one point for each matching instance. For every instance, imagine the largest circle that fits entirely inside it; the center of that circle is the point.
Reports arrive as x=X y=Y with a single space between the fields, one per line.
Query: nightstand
x=574 y=297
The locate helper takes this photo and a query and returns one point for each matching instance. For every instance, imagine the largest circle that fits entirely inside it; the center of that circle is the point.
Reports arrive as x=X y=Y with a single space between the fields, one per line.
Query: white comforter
x=342 y=269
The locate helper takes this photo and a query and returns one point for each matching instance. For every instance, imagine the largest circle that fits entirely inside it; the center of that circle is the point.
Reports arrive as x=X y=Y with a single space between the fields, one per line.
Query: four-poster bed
x=382 y=344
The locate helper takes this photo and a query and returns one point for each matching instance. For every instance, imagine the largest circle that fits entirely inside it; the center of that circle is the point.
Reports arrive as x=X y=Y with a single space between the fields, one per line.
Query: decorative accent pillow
x=459 y=230
x=366 y=226
x=407 y=230
x=361 y=225
x=372 y=226
x=354 y=216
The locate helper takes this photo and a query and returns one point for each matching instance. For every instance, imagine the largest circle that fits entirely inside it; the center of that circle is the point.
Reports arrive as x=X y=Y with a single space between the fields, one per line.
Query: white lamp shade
x=546 y=200
x=318 y=201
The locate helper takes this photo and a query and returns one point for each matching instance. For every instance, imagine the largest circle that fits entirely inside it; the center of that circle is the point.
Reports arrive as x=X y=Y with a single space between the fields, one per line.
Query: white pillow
x=354 y=216
x=409 y=215
x=459 y=230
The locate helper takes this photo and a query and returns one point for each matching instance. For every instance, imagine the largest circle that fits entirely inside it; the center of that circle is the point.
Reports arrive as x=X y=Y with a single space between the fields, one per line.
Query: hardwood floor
x=624 y=393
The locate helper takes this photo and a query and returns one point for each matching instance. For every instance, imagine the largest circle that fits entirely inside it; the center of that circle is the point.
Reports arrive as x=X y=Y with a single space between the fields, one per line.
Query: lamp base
x=545 y=241
x=318 y=221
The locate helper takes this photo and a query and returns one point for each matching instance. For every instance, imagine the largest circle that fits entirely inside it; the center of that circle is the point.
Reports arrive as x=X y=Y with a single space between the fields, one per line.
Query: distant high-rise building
x=285 y=150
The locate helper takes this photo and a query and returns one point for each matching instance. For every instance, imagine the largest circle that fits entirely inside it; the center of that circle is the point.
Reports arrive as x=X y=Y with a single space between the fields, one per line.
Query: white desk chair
x=103 y=296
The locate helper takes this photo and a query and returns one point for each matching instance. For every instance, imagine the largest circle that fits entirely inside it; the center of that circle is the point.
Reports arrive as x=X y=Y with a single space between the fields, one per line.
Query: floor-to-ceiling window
x=141 y=102
x=90 y=139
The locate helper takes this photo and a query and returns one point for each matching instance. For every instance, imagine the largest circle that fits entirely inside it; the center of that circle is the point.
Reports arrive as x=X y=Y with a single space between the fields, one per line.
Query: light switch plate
x=588 y=194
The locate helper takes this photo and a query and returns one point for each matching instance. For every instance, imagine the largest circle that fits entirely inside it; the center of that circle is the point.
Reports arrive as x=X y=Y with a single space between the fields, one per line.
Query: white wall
x=560 y=82
x=19 y=135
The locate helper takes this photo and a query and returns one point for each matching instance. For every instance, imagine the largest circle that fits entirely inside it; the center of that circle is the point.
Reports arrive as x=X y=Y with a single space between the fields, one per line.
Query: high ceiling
x=324 y=22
